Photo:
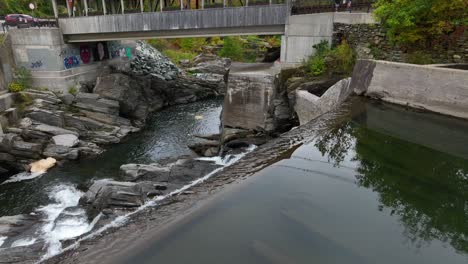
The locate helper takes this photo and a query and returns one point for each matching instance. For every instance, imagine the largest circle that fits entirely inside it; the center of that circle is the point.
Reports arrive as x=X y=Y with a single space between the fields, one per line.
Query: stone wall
x=371 y=43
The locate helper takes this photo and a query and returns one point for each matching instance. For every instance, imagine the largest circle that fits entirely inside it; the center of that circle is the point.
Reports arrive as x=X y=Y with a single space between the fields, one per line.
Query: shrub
x=233 y=49
x=339 y=60
x=419 y=57
x=192 y=44
x=23 y=77
x=176 y=55
x=15 y=87
x=72 y=90
x=317 y=66
x=344 y=58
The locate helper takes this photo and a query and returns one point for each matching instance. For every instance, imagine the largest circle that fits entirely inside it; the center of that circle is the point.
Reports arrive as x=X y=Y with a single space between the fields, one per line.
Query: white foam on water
x=23 y=242
x=73 y=225
x=23 y=176
x=2 y=240
x=119 y=221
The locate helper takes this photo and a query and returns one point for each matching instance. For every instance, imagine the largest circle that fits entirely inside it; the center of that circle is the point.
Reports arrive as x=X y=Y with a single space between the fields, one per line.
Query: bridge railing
x=98 y=8
x=300 y=7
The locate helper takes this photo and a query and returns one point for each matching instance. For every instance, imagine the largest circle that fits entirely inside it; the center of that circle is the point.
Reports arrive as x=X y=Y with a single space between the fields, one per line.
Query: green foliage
x=72 y=90
x=316 y=65
x=419 y=21
x=176 y=55
x=343 y=59
x=233 y=49
x=339 y=60
x=419 y=57
x=15 y=87
x=43 y=7
x=192 y=44
x=23 y=77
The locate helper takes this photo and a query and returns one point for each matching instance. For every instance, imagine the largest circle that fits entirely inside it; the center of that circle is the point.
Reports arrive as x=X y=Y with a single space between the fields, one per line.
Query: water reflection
x=427 y=189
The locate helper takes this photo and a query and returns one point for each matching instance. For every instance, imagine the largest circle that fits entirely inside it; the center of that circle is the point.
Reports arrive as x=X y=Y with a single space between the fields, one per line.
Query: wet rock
x=88 y=149
x=67 y=99
x=150 y=172
x=67 y=140
x=52 y=118
x=26 y=149
x=12 y=226
x=93 y=102
x=181 y=171
x=105 y=194
x=24 y=254
x=61 y=152
x=202 y=146
x=53 y=130
x=186 y=170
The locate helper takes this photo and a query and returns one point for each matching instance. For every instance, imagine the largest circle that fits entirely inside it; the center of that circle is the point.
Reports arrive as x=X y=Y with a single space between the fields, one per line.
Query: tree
x=412 y=21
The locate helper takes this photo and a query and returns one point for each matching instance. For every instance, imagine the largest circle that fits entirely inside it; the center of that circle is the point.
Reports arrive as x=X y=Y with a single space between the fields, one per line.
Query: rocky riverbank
x=78 y=124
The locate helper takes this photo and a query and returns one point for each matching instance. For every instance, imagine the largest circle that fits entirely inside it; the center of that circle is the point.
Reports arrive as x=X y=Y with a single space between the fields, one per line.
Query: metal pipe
x=122 y=5
x=142 y=6
x=202 y=4
x=181 y=5
x=246 y=2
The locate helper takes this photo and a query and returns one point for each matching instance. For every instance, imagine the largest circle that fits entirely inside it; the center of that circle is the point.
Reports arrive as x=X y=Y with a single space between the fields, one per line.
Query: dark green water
x=389 y=186
x=166 y=135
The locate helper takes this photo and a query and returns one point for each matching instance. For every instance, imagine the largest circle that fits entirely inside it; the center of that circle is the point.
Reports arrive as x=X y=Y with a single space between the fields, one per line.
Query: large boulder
x=42 y=165
x=309 y=106
x=61 y=152
x=113 y=195
x=67 y=140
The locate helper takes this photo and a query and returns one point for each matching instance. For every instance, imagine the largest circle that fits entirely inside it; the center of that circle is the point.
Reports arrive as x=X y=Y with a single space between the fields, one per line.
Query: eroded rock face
x=67 y=140
x=309 y=106
x=113 y=195
x=181 y=172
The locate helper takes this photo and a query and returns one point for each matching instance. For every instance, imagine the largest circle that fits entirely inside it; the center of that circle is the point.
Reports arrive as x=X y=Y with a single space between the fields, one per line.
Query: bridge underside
x=180 y=33
x=259 y=20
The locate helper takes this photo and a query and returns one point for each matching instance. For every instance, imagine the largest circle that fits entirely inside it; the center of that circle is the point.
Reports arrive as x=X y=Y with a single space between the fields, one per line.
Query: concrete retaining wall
x=304 y=31
x=437 y=89
x=7 y=63
x=55 y=64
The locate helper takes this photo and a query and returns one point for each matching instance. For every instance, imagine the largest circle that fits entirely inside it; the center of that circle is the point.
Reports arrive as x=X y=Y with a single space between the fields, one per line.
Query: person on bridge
x=337 y=5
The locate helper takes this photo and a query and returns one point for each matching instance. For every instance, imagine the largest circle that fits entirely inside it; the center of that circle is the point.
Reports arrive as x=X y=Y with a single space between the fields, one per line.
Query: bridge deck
x=208 y=22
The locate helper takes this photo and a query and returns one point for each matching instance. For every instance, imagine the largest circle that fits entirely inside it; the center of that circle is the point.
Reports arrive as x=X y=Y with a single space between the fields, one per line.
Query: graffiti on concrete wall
x=117 y=50
x=85 y=54
x=71 y=62
x=36 y=64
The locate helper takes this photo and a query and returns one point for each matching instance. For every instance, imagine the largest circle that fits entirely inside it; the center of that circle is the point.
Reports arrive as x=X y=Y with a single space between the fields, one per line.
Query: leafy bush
x=177 y=55
x=339 y=60
x=233 y=49
x=22 y=79
x=317 y=65
x=192 y=44
x=72 y=90
x=15 y=87
x=417 y=21
x=343 y=58
x=419 y=57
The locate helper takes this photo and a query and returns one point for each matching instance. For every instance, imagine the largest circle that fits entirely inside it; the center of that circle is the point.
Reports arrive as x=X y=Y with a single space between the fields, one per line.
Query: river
x=388 y=186
x=166 y=135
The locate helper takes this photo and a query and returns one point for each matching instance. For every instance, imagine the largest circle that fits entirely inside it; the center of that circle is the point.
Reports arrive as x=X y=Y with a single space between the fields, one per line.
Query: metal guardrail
x=44 y=23
x=309 y=7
